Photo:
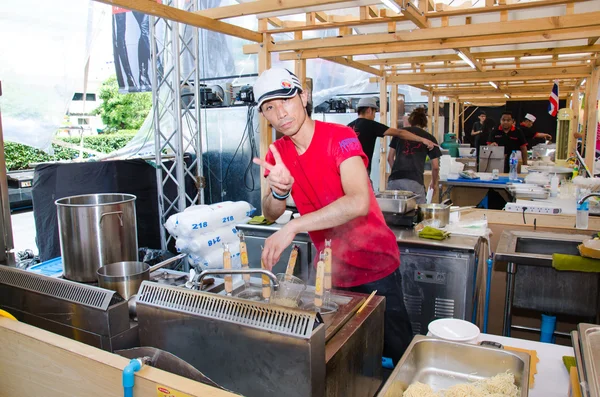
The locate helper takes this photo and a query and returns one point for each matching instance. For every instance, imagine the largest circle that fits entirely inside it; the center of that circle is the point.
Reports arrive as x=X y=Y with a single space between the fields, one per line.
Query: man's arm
x=354 y=203
x=543 y=135
x=271 y=207
x=391 y=157
x=524 y=154
x=435 y=173
x=409 y=136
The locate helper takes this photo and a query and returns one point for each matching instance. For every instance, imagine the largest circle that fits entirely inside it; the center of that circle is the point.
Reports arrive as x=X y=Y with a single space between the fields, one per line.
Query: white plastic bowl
x=455 y=330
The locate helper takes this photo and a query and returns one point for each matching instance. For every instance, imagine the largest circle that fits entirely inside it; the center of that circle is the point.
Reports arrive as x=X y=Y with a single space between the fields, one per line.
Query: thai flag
x=553 y=105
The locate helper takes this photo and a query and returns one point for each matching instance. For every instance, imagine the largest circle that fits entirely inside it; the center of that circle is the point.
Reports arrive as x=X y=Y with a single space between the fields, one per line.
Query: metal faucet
x=582 y=200
x=214 y=272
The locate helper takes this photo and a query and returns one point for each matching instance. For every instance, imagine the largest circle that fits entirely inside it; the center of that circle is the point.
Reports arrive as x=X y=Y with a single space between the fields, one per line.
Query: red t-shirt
x=364 y=249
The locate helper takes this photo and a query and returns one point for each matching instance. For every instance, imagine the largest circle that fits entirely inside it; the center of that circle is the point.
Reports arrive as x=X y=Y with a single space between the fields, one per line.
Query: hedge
x=18 y=156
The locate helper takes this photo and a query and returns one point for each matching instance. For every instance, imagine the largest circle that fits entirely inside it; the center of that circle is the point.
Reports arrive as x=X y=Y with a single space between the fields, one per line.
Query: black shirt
x=411 y=156
x=368 y=131
x=512 y=140
x=529 y=134
x=479 y=139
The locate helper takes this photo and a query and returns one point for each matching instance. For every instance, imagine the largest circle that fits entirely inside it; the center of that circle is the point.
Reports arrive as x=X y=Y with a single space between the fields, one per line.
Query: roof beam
x=418 y=59
x=550 y=25
x=188 y=18
x=495 y=66
x=466 y=52
x=592 y=40
x=500 y=75
x=504 y=89
x=261 y=7
x=299 y=26
x=427 y=45
x=415 y=15
x=356 y=65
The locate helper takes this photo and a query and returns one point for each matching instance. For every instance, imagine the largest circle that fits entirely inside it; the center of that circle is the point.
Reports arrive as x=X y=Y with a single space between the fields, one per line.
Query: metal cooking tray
x=589 y=335
x=397 y=202
x=442 y=364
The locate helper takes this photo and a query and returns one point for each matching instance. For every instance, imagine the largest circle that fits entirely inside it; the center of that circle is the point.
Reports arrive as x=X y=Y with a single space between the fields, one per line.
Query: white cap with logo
x=276 y=83
x=530 y=117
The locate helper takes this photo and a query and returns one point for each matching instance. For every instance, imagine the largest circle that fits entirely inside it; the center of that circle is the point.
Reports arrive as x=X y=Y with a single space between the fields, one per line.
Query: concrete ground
x=23 y=227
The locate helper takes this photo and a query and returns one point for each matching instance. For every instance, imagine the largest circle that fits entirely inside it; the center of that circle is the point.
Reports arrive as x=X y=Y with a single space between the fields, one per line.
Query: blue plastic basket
x=51 y=268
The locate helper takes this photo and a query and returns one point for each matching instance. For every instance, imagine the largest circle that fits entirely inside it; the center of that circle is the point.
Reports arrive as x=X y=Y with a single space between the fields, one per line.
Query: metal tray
x=442 y=364
x=589 y=335
x=399 y=202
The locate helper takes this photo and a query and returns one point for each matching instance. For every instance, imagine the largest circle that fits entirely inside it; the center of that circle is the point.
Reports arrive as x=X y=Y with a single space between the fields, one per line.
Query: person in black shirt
x=533 y=138
x=368 y=130
x=407 y=159
x=510 y=137
x=479 y=131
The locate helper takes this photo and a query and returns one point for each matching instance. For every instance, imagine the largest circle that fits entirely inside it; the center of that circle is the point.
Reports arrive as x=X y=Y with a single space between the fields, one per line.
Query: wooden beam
x=487 y=55
x=455 y=128
x=274 y=21
x=383 y=120
x=514 y=28
x=437 y=132
x=261 y=7
x=591 y=107
x=188 y=18
x=356 y=65
x=393 y=123
x=497 y=66
x=415 y=15
x=373 y=12
x=265 y=130
x=500 y=75
x=321 y=16
x=417 y=59
x=430 y=112
x=491 y=91
x=575 y=106
x=427 y=45
x=593 y=40
x=499 y=8
x=468 y=54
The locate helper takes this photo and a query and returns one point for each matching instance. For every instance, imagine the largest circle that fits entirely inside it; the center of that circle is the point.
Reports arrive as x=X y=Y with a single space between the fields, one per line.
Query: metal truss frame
x=177 y=122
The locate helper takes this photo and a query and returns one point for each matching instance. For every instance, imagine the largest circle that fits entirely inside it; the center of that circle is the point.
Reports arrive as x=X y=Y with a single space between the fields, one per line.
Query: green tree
x=122 y=111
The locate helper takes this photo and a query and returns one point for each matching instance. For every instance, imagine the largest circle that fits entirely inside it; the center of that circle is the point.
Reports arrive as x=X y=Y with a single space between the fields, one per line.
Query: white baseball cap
x=368 y=102
x=276 y=83
x=530 y=117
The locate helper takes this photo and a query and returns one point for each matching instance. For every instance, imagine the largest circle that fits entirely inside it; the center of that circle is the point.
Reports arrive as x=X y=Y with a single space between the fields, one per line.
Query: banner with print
x=131 y=50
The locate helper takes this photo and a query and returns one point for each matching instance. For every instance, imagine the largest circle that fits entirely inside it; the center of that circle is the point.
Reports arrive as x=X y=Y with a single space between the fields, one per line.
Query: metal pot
x=95 y=230
x=126 y=277
x=439 y=212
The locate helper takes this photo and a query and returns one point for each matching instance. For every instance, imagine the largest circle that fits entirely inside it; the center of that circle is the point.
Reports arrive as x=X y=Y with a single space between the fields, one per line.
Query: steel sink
x=536 y=248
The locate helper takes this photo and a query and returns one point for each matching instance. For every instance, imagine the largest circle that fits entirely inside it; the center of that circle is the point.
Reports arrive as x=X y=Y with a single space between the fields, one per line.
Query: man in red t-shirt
x=324 y=168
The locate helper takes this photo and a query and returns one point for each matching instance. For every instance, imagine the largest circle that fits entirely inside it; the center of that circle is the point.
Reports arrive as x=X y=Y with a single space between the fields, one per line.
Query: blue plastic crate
x=51 y=268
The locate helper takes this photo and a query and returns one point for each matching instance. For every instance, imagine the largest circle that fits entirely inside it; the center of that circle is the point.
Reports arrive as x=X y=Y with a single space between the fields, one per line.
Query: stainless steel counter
x=407 y=237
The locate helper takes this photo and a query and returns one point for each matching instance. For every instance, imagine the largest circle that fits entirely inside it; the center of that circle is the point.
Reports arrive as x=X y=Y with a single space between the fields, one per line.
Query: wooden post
x=393 y=124
x=300 y=64
x=430 y=113
x=591 y=105
x=437 y=132
x=586 y=96
x=451 y=115
x=383 y=120
x=457 y=119
x=462 y=120
x=266 y=131
x=574 y=123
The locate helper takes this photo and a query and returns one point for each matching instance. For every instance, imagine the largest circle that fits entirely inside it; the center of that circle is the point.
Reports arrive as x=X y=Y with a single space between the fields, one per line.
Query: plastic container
x=513 y=163
x=554 y=185
x=289 y=292
x=547 y=328
x=455 y=330
x=583 y=210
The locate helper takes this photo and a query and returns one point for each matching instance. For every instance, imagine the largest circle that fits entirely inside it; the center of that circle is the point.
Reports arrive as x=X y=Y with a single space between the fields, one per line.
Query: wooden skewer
x=360 y=309
x=319 y=283
x=244 y=257
x=289 y=271
x=227 y=265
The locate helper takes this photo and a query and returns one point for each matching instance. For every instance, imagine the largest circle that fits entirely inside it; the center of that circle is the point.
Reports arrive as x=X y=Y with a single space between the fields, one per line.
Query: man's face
x=528 y=123
x=286 y=115
x=482 y=118
x=506 y=122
